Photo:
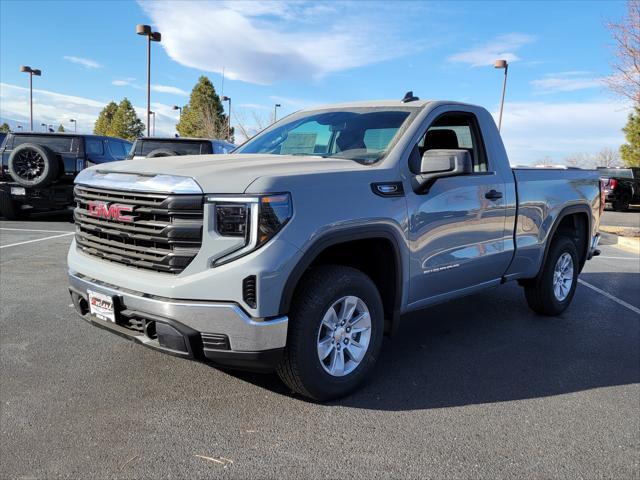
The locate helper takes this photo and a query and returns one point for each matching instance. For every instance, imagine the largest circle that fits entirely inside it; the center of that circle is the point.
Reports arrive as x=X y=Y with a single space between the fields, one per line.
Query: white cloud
x=168 y=89
x=566 y=82
x=533 y=130
x=85 y=62
x=126 y=82
x=265 y=42
x=502 y=47
x=55 y=108
x=131 y=82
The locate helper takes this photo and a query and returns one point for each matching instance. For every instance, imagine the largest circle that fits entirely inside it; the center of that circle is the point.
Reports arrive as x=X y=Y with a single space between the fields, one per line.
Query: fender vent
x=249 y=292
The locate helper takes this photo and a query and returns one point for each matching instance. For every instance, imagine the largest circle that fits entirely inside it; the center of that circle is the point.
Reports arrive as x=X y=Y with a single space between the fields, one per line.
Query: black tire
x=32 y=165
x=301 y=369
x=161 y=152
x=622 y=205
x=10 y=209
x=539 y=292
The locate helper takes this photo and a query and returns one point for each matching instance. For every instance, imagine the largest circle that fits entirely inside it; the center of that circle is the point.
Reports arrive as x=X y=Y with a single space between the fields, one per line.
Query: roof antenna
x=409 y=97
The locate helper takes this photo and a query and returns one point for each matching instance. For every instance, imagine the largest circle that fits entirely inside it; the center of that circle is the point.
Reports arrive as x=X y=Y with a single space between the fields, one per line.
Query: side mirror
x=439 y=163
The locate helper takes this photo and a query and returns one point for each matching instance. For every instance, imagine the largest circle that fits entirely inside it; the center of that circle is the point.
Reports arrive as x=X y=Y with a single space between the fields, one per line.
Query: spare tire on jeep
x=161 y=152
x=32 y=165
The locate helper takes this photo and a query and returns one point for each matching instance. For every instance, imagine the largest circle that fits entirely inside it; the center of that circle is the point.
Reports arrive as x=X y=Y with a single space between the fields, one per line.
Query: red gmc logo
x=111 y=211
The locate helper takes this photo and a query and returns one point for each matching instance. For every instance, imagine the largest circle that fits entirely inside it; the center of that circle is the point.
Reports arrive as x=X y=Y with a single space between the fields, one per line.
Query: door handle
x=493 y=195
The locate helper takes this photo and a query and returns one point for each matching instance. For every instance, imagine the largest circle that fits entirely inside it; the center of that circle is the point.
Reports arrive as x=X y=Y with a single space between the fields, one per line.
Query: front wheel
x=335 y=333
x=552 y=291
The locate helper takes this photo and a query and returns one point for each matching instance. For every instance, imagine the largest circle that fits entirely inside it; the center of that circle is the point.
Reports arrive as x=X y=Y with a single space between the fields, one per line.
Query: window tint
x=181 y=147
x=59 y=144
x=93 y=146
x=456 y=131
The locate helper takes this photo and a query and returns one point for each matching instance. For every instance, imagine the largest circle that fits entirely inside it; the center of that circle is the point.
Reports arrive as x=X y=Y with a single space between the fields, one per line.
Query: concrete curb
x=630 y=244
x=622 y=231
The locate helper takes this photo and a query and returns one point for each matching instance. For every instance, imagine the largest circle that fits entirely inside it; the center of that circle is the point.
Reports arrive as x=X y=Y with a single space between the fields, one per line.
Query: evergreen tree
x=630 y=151
x=103 y=123
x=60 y=128
x=125 y=123
x=4 y=128
x=204 y=115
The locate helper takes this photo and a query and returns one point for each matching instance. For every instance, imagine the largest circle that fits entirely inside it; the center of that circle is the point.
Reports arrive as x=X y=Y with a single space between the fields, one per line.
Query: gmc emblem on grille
x=111 y=211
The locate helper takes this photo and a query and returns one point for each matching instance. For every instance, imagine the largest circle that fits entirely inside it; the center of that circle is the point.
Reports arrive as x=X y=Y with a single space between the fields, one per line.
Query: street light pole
x=154 y=122
x=75 y=124
x=228 y=99
x=151 y=37
x=500 y=64
x=31 y=72
x=275 y=112
x=44 y=127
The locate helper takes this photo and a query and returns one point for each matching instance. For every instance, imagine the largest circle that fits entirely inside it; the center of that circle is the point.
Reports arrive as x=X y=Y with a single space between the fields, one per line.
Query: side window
x=117 y=148
x=93 y=146
x=456 y=131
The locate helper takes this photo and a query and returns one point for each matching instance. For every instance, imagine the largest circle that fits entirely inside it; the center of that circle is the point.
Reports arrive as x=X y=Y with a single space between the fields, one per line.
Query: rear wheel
x=335 y=333
x=622 y=205
x=10 y=209
x=552 y=291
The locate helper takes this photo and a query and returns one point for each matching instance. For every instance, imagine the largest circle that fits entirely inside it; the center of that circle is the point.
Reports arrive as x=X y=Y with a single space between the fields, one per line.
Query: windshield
x=360 y=134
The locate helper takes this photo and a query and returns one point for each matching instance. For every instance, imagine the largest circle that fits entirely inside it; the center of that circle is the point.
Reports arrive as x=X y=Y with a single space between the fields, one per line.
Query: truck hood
x=230 y=173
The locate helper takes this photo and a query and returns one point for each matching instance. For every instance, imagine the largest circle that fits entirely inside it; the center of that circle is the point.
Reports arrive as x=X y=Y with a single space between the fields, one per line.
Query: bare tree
x=580 y=160
x=625 y=79
x=250 y=123
x=214 y=125
x=607 y=157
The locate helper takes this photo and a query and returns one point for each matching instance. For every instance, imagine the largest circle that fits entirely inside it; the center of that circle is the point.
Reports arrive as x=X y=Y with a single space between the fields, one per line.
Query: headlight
x=255 y=219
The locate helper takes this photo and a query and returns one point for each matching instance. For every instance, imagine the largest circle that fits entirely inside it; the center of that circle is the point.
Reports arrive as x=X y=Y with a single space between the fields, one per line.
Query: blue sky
x=306 y=53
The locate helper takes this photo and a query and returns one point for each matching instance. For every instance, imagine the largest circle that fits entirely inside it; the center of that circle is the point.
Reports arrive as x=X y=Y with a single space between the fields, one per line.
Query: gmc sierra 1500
x=303 y=248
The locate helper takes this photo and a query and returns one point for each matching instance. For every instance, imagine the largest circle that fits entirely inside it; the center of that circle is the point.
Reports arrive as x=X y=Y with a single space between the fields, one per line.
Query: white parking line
x=36 y=240
x=609 y=296
x=30 y=230
x=617 y=258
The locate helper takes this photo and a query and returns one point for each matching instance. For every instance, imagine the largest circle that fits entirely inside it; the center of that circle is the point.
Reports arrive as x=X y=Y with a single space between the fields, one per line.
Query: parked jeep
x=153 y=147
x=38 y=169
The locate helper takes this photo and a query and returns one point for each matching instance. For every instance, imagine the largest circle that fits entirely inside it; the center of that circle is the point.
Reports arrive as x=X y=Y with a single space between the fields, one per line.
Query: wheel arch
x=327 y=247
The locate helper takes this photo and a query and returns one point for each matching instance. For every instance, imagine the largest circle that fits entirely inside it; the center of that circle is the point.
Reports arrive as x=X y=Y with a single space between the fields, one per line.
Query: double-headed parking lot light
x=151 y=37
x=275 y=112
x=31 y=72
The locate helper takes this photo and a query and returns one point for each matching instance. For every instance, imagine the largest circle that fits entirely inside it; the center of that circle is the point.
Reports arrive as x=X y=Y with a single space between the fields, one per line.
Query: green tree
x=60 y=128
x=630 y=151
x=103 y=123
x=126 y=123
x=4 y=128
x=204 y=115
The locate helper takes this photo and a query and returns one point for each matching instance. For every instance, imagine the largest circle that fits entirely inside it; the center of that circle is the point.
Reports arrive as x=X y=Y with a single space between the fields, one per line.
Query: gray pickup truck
x=303 y=248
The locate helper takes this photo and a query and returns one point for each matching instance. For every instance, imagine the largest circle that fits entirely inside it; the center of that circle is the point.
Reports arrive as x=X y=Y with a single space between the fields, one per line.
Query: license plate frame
x=102 y=306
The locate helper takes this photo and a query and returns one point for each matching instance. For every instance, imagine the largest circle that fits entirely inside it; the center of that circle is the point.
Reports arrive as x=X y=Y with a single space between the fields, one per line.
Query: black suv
x=621 y=187
x=38 y=169
x=151 y=147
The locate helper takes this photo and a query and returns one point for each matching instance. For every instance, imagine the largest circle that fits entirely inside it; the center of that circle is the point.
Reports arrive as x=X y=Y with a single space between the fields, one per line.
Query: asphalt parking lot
x=478 y=388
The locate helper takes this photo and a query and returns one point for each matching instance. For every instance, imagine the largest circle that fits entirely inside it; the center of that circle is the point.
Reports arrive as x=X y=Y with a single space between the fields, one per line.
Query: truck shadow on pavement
x=491 y=348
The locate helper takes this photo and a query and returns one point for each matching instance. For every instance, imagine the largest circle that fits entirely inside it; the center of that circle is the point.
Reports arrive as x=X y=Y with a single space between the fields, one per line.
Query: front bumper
x=218 y=332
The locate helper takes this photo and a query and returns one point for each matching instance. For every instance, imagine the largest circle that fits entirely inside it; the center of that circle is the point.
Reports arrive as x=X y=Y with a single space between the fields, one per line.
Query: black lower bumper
x=174 y=338
x=53 y=197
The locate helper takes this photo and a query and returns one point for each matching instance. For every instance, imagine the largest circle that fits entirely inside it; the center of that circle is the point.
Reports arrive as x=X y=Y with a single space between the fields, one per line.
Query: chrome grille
x=165 y=234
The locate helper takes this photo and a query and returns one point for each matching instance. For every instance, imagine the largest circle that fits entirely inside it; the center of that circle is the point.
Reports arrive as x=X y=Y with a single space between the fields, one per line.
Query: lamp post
x=31 y=72
x=19 y=127
x=228 y=99
x=275 y=112
x=151 y=37
x=44 y=127
x=154 y=122
x=75 y=124
x=502 y=64
x=176 y=107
